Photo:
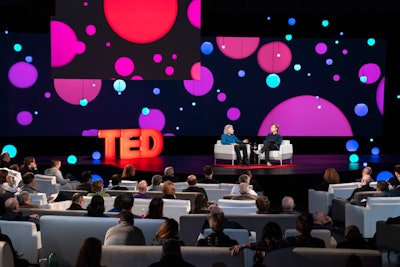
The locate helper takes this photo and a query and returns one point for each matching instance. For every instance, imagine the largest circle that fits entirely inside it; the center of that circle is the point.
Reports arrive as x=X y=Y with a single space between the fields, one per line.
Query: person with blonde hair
x=168 y=230
x=98 y=189
x=331 y=176
x=168 y=190
x=129 y=172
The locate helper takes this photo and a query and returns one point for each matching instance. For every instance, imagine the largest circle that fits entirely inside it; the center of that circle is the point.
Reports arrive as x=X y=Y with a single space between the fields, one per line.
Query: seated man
x=272 y=141
x=77 y=202
x=322 y=221
x=29 y=183
x=192 y=182
x=116 y=180
x=288 y=206
x=244 y=190
x=142 y=189
x=155 y=183
x=13 y=214
x=54 y=170
x=243 y=178
x=86 y=179
x=124 y=233
x=365 y=181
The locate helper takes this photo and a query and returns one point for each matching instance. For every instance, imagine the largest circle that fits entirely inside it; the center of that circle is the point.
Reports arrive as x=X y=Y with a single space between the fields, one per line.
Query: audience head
x=168 y=229
x=319 y=217
x=156 y=180
x=168 y=188
x=96 y=206
x=116 y=179
x=30 y=161
x=126 y=216
x=288 y=203
x=353 y=260
x=244 y=188
x=24 y=198
x=304 y=223
x=249 y=173
x=208 y=171
x=394 y=182
x=28 y=178
x=331 y=176
x=129 y=170
x=200 y=202
x=55 y=163
x=89 y=253
x=262 y=203
x=352 y=232
x=216 y=221
x=14 y=167
x=366 y=171
x=86 y=177
x=3 y=176
x=171 y=247
x=244 y=178
x=127 y=201
x=5 y=156
x=169 y=171
x=272 y=231
x=77 y=198
x=366 y=179
x=118 y=202
x=156 y=208
x=382 y=186
x=97 y=186
x=11 y=204
x=142 y=186
x=397 y=170
x=191 y=180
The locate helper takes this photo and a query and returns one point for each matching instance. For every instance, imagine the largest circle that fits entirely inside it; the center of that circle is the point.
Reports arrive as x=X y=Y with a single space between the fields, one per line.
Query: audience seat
x=230 y=206
x=108 y=202
x=46 y=184
x=6 y=255
x=323 y=234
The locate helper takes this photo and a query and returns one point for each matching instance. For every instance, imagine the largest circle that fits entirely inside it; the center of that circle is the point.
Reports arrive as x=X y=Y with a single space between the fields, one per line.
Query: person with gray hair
x=155 y=183
x=24 y=200
x=243 y=178
x=229 y=138
x=288 y=206
x=244 y=190
x=365 y=181
x=169 y=174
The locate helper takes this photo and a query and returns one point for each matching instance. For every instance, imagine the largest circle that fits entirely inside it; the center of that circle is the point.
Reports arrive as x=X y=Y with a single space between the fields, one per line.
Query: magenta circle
x=202 y=86
x=336 y=77
x=154 y=120
x=221 y=97
x=24 y=118
x=90 y=30
x=233 y=114
x=274 y=57
x=47 y=95
x=157 y=58
x=238 y=47
x=72 y=90
x=371 y=70
x=169 y=70
x=193 y=13
x=124 y=66
x=22 y=75
x=321 y=48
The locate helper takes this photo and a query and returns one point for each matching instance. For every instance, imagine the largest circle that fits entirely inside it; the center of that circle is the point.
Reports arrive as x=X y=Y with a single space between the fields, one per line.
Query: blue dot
x=28 y=59
x=206 y=48
x=241 y=73
x=193 y=104
x=145 y=111
x=297 y=67
x=291 y=21
x=96 y=177
x=12 y=150
x=177 y=128
x=119 y=85
x=375 y=151
x=96 y=155
x=352 y=145
x=371 y=41
x=361 y=110
x=329 y=61
x=156 y=91
x=384 y=176
x=363 y=79
x=72 y=159
x=325 y=23
x=181 y=109
x=288 y=37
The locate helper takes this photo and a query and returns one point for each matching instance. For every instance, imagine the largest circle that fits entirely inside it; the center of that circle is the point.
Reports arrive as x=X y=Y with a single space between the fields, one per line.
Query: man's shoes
x=269 y=163
x=247 y=162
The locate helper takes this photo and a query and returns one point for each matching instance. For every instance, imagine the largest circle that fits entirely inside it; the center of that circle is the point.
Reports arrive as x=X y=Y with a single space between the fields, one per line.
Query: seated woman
x=168 y=231
x=89 y=253
x=217 y=238
x=117 y=204
x=263 y=204
x=331 y=176
x=200 y=205
x=168 y=190
x=156 y=209
x=96 y=207
x=98 y=189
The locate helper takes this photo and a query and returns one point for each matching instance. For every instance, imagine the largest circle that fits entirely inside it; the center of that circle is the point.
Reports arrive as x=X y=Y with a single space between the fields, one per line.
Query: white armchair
x=285 y=152
x=227 y=152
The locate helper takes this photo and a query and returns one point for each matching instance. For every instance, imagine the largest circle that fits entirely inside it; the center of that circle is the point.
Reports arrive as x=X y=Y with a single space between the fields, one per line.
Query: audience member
x=129 y=173
x=365 y=171
x=365 y=181
x=5 y=160
x=24 y=200
x=29 y=166
x=192 y=182
x=244 y=190
x=263 y=204
x=288 y=206
x=77 y=202
x=354 y=239
x=156 y=209
x=168 y=190
x=217 y=238
x=98 y=189
x=124 y=233
x=8 y=183
x=54 y=170
x=256 y=186
x=208 y=173
x=227 y=223
x=243 y=178
x=29 y=182
x=13 y=214
x=271 y=231
x=117 y=204
x=85 y=182
x=116 y=182
x=168 y=230
x=200 y=205
x=89 y=253
x=96 y=207
x=331 y=176
x=156 y=181
x=394 y=182
x=382 y=189
x=171 y=256
x=304 y=224
x=322 y=221
x=142 y=190
x=169 y=174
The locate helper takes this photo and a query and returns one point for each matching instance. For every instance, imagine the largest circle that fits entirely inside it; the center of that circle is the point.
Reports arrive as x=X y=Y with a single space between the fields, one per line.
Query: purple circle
x=22 y=75
x=47 y=95
x=90 y=30
x=174 y=56
x=24 y=118
x=124 y=66
x=221 y=97
x=202 y=86
x=157 y=58
x=336 y=77
x=169 y=70
x=233 y=114
x=108 y=44
x=321 y=48
x=380 y=94
x=154 y=120
x=370 y=70
x=345 y=51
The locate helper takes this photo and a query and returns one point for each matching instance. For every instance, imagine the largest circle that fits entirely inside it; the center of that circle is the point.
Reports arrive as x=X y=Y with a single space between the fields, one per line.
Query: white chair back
x=131 y=185
x=108 y=202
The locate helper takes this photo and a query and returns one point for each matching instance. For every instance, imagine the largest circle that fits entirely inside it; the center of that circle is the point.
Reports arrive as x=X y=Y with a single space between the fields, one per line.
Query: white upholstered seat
x=227 y=152
x=285 y=152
